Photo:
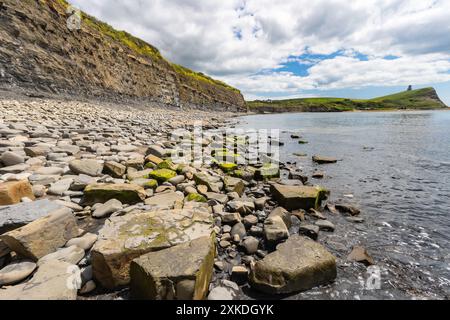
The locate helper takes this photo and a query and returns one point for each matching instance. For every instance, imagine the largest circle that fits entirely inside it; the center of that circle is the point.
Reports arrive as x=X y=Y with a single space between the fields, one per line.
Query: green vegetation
x=426 y=98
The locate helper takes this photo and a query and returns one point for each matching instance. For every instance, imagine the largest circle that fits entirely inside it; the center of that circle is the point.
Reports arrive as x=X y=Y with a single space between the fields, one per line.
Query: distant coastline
x=420 y=99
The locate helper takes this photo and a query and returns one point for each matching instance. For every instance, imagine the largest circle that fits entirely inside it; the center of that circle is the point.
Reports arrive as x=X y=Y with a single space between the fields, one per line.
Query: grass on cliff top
x=414 y=99
x=140 y=47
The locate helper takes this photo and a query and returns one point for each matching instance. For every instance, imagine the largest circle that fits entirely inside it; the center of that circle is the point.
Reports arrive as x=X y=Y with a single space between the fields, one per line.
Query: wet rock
x=85 y=242
x=360 y=254
x=50 y=282
x=42 y=236
x=16 y=272
x=72 y=255
x=171 y=200
x=346 y=208
x=88 y=167
x=323 y=160
x=275 y=230
x=318 y=175
x=310 y=231
x=101 y=193
x=107 y=208
x=11 y=158
x=298 y=264
x=167 y=274
x=11 y=192
x=297 y=197
x=18 y=215
x=325 y=225
x=127 y=237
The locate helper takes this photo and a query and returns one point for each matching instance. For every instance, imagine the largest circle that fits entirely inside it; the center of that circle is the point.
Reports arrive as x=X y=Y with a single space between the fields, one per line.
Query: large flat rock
x=167 y=274
x=54 y=280
x=297 y=197
x=44 y=235
x=16 y=216
x=125 y=238
x=298 y=264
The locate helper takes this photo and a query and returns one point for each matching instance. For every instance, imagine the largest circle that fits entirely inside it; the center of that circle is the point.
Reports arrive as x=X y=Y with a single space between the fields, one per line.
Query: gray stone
x=72 y=255
x=297 y=197
x=11 y=158
x=88 y=167
x=85 y=242
x=226 y=290
x=230 y=217
x=310 y=231
x=171 y=200
x=16 y=272
x=107 y=208
x=58 y=188
x=325 y=225
x=18 y=215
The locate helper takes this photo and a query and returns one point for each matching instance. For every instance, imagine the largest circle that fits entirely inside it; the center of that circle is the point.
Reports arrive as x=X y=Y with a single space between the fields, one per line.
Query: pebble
x=16 y=272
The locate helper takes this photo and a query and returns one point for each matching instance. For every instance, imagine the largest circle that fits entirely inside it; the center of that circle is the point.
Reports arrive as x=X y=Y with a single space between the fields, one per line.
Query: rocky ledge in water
x=93 y=200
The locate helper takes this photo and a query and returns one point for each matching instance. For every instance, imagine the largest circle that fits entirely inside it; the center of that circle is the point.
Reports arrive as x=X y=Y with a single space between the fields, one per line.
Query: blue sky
x=297 y=48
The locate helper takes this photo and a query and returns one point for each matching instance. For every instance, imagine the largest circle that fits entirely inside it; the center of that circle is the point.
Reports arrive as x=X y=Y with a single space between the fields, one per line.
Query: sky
x=296 y=48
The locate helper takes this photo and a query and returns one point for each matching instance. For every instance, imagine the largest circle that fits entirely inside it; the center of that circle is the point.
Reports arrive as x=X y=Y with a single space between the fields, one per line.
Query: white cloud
x=203 y=35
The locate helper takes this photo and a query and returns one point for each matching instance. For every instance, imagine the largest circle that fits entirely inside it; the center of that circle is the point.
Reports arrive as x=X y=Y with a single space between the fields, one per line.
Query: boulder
x=243 y=206
x=85 y=242
x=125 y=193
x=298 y=197
x=157 y=151
x=298 y=264
x=167 y=274
x=44 y=235
x=54 y=280
x=88 y=167
x=18 y=215
x=12 y=191
x=125 y=238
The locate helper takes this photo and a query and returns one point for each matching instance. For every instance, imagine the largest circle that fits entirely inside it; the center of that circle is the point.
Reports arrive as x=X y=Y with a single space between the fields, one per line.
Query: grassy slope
x=416 y=99
x=141 y=47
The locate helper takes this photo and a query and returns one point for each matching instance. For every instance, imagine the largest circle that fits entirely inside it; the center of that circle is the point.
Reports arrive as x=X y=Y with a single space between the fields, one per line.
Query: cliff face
x=39 y=52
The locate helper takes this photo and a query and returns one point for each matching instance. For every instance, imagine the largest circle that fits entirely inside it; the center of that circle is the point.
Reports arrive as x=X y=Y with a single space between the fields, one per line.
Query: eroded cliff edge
x=39 y=53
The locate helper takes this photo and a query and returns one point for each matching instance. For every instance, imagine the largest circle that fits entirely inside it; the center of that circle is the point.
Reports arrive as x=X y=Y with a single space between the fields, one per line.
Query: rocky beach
x=92 y=201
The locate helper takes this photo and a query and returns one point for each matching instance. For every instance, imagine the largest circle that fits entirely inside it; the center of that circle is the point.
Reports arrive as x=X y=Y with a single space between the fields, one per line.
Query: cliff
x=39 y=53
x=421 y=99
